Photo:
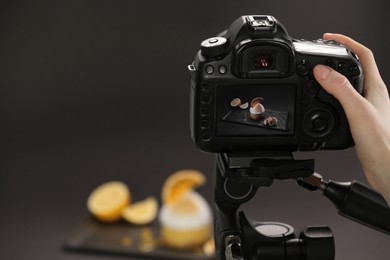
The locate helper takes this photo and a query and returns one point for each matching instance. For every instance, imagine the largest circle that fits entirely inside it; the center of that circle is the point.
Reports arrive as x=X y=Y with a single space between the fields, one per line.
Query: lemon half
x=108 y=200
x=179 y=183
x=142 y=212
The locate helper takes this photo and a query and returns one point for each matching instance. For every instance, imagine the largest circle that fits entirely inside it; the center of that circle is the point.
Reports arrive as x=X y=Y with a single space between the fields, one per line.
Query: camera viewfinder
x=263 y=61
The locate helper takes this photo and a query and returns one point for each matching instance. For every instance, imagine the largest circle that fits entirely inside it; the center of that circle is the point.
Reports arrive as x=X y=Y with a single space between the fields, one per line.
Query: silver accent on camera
x=308 y=47
x=261 y=22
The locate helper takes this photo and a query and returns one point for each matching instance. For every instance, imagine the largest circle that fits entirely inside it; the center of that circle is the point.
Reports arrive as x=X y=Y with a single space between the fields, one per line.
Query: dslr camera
x=252 y=89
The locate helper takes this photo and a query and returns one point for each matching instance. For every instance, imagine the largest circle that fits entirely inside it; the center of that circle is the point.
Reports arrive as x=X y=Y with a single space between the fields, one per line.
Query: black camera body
x=252 y=89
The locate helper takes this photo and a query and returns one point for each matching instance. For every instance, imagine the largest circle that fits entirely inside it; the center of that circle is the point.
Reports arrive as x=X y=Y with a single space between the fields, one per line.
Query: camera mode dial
x=213 y=47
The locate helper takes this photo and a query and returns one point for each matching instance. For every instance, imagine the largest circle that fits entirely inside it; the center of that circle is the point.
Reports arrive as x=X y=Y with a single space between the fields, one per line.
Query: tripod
x=238 y=177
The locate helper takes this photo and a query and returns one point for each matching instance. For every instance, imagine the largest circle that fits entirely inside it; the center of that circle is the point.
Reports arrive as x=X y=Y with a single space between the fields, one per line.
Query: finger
x=375 y=89
x=336 y=84
x=365 y=55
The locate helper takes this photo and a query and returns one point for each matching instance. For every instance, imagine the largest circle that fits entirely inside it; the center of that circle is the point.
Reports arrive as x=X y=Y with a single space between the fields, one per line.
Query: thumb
x=339 y=86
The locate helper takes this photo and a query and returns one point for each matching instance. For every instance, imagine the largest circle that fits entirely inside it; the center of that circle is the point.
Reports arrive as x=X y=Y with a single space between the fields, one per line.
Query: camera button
x=205 y=111
x=311 y=88
x=205 y=99
x=319 y=124
x=329 y=62
x=341 y=65
x=205 y=123
x=206 y=136
x=213 y=40
x=304 y=67
x=222 y=69
x=209 y=69
x=205 y=86
x=354 y=70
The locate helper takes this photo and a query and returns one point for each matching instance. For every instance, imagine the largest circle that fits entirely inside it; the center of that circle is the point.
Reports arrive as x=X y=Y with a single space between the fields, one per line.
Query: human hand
x=368 y=116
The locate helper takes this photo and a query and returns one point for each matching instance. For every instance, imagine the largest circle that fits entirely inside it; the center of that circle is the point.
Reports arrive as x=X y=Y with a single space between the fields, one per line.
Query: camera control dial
x=319 y=122
x=213 y=47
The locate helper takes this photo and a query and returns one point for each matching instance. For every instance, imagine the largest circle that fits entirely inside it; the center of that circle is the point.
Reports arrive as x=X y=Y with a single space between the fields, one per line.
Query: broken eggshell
x=257 y=100
x=270 y=121
x=236 y=102
x=244 y=106
x=256 y=112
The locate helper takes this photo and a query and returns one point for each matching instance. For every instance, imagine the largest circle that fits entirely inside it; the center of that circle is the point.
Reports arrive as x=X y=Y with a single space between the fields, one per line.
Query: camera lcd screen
x=255 y=110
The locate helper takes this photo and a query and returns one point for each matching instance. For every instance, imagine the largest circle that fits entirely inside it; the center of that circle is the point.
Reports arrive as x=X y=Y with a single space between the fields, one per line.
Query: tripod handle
x=359 y=203
x=353 y=200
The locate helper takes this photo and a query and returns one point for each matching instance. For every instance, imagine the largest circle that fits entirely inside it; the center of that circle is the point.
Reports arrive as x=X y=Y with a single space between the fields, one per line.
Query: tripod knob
x=233 y=248
x=318 y=243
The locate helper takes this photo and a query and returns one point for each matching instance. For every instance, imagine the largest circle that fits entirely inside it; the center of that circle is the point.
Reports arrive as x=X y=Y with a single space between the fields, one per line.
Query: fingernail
x=322 y=71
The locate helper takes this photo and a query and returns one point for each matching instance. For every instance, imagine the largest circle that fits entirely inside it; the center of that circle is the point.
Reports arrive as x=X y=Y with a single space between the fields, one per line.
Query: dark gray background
x=92 y=91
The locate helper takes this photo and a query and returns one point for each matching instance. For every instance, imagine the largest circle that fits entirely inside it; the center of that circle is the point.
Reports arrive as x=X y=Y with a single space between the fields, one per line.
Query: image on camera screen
x=253 y=110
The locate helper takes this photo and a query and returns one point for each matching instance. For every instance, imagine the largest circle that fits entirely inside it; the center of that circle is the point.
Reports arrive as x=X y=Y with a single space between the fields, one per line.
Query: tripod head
x=238 y=177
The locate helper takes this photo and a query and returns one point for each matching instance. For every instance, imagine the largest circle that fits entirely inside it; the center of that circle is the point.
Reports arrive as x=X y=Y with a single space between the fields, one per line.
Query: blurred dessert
x=185 y=216
x=187 y=223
